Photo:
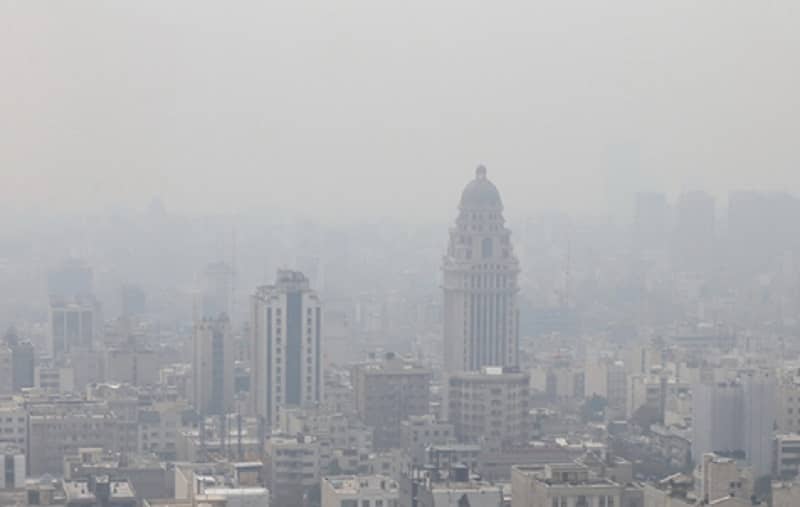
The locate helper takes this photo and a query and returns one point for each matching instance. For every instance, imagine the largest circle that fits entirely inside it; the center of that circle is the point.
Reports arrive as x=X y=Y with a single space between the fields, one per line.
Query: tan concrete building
x=423 y=431
x=489 y=407
x=569 y=485
x=785 y=494
x=212 y=366
x=60 y=427
x=389 y=391
x=359 y=491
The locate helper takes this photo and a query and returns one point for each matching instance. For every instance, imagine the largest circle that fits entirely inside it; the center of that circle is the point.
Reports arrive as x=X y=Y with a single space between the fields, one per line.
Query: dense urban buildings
x=627 y=366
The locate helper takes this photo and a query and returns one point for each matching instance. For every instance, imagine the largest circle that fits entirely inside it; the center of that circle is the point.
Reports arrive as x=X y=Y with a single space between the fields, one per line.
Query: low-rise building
x=423 y=431
x=99 y=491
x=359 y=491
x=569 y=485
x=785 y=494
x=449 y=488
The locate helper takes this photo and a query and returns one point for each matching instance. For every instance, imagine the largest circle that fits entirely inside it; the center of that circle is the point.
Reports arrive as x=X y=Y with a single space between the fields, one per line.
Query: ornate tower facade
x=480 y=272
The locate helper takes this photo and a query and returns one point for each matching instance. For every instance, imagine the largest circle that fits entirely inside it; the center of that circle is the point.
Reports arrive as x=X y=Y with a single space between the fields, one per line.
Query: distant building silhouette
x=212 y=366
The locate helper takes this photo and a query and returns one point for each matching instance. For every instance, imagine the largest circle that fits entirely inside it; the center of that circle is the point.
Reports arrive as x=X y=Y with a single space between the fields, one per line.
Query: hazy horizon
x=352 y=109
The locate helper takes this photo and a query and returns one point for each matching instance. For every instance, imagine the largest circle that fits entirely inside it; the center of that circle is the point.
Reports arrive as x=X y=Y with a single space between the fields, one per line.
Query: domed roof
x=480 y=193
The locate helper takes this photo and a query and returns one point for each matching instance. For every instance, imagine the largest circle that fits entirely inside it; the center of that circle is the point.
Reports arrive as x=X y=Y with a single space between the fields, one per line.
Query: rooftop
x=353 y=484
x=480 y=193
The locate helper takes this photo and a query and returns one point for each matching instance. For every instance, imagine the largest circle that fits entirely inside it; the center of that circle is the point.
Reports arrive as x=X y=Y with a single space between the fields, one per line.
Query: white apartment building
x=286 y=345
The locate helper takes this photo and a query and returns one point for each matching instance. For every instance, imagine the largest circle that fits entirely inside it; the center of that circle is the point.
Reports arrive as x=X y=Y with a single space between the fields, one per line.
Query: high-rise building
x=74 y=323
x=72 y=278
x=717 y=423
x=212 y=366
x=759 y=388
x=389 y=391
x=216 y=296
x=695 y=232
x=480 y=271
x=6 y=369
x=134 y=300
x=287 y=346
x=650 y=221
x=736 y=416
x=23 y=360
x=23 y=357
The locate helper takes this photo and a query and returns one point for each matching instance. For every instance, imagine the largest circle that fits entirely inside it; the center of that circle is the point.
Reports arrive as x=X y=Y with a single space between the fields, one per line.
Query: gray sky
x=336 y=107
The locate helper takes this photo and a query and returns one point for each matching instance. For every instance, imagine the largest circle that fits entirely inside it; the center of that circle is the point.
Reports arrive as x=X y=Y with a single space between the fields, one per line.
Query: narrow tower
x=480 y=271
x=287 y=348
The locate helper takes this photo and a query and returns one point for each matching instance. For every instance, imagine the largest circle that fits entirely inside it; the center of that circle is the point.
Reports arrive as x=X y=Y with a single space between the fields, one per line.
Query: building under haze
x=387 y=391
x=72 y=278
x=499 y=420
x=480 y=272
x=74 y=324
x=216 y=296
x=287 y=346
x=212 y=366
x=731 y=417
x=695 y=232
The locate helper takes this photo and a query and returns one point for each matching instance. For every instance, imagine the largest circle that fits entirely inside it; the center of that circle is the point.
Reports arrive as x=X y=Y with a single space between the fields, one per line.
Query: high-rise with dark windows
x=287 y=348
x=213 y=366
x=480 y=271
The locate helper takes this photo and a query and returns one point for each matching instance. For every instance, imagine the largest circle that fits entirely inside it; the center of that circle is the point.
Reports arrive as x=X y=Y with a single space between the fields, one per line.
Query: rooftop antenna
x=239 y=429
x=234 y=273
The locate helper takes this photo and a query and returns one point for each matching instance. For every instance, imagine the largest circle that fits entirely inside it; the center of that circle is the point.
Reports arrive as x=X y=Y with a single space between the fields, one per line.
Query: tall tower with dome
x=480 y=283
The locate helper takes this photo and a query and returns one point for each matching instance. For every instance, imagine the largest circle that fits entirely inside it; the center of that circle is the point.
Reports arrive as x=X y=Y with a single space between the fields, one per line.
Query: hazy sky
x=339 y=107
